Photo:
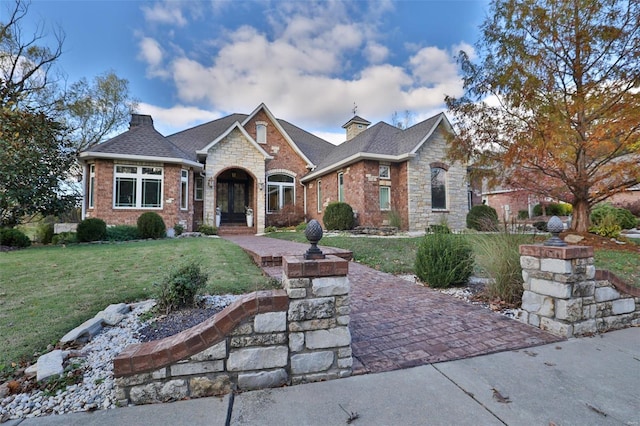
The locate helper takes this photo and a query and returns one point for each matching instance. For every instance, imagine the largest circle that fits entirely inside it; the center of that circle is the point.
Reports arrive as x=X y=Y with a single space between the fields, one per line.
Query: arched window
x=438 y=188
x=280 y=192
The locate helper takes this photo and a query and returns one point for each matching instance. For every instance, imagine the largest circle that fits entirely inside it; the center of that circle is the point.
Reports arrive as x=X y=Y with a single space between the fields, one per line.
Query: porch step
x=236 y=229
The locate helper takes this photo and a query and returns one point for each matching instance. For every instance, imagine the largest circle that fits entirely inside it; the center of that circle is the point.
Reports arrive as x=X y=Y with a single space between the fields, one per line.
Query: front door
x=232 y=199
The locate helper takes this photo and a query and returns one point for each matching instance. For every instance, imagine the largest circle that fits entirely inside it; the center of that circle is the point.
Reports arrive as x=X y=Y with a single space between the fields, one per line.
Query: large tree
x=552 y=103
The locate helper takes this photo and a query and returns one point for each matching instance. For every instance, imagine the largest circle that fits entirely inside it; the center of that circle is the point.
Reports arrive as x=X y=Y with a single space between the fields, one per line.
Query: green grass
x=392 y=255
x=47 y=291
x=624 y=264
x=397 y=255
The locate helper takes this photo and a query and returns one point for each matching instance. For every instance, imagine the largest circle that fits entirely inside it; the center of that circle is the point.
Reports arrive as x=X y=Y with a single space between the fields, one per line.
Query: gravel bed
x=97 y=388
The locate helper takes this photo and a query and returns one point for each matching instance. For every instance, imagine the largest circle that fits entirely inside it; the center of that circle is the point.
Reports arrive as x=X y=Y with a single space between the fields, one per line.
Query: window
x=438 y=188
x=319 y=189
x=384 y=172
x=385 y=198
x=184 y=189
x=138 y=187
x=341 y=187
x=280 y=192
x=261 y=132
x=92 y=183
x=198 y=189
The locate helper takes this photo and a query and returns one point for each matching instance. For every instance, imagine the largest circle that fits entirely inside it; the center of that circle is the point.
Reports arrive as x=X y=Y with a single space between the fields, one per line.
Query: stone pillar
x=318 y=318
x=558 y=284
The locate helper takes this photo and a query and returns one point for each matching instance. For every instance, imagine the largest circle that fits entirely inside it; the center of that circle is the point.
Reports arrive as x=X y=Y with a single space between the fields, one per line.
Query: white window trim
x=446 y=190
x=138 y=177
x=280 y=186
x=263 y=125
x=184 y=196
x=341 y=187
x=388 y=188
x=319 y=195
x=92 y=186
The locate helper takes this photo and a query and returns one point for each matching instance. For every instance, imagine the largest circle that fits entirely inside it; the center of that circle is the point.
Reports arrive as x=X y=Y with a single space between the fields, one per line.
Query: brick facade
x=170 y=212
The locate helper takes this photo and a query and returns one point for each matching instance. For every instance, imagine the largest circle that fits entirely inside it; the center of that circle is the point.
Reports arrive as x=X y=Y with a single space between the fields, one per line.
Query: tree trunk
x=580 y=221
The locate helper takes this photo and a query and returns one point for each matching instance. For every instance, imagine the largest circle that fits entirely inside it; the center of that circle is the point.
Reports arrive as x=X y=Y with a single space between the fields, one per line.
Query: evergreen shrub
x=621 y=216
x=91 y=229
x=338 y=216
x=180 y=288
x=13 y=237
x=444 y=260
x=482 y=218
x=122 y=233
x=151 y=225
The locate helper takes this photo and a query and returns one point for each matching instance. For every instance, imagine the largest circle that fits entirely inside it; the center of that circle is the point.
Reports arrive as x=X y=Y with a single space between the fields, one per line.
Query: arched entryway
x=234 y=194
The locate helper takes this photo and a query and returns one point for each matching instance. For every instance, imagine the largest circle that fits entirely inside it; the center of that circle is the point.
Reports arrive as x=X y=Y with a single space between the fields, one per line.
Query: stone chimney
x=140 y=120
x=355 y=126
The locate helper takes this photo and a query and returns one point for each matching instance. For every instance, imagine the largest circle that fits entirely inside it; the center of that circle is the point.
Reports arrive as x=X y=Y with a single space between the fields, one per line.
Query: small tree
x=338 y=216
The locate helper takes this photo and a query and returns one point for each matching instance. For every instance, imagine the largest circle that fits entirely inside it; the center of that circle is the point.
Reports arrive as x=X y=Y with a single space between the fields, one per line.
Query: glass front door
x=232 y=196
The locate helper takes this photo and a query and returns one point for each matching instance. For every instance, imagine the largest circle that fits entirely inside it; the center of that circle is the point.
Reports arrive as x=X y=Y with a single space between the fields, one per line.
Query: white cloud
x=166 y=12
x=176 y=118
x=151 y=53
x=467 y=48
x=310 y=65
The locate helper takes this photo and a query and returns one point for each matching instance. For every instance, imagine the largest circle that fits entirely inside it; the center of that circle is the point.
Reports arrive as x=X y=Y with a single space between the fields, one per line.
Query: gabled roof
x=380 y=142
x=356 y=119
x=141 y=143
x=240 y=128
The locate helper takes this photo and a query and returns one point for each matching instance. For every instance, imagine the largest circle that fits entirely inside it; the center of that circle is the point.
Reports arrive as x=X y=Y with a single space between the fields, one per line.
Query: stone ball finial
x=314 y=233
x=555 y=227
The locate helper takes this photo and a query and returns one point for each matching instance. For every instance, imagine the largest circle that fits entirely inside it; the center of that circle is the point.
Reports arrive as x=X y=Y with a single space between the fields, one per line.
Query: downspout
x=84 y=190
x=304 y=203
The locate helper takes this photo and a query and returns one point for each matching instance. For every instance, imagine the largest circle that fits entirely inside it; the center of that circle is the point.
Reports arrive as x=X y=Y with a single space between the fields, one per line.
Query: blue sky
x=189 y=62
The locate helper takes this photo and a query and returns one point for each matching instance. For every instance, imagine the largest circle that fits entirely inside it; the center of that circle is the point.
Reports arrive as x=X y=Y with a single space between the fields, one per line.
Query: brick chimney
x=355 y=126
x=140 y=120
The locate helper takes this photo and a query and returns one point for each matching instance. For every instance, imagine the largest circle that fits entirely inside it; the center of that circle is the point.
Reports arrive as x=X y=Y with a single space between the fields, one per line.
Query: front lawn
x=47 y=291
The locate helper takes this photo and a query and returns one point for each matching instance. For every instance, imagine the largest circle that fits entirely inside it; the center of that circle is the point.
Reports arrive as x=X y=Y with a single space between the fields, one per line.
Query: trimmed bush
x=178 y=229
x=482 y=218
x=64 y=238
x=91 y=229
x=444 y=260
x=208 y=229
x=151 y=225
x=180 y=288
x=553 y=209
x=622 y=217
x=607 y=225
x=13 y=237
x=122 y=233
x=338 y=216
x=44 y=233
x=301 y=227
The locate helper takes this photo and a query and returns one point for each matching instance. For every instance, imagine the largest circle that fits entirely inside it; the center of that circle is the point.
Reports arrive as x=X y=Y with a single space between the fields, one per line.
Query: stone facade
x=265 y=339
x=565 y=295
x=421 y=215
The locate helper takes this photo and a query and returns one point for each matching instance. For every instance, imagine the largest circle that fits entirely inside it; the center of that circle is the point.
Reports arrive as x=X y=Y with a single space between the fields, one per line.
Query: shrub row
x=553 y=209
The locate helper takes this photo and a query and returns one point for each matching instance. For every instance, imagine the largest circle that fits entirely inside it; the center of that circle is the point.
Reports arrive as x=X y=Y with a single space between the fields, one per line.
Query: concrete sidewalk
x=585 y=381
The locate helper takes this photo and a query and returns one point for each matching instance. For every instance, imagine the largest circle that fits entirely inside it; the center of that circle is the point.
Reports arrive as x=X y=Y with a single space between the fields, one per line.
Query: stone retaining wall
x=565 y=295
x=264 y=339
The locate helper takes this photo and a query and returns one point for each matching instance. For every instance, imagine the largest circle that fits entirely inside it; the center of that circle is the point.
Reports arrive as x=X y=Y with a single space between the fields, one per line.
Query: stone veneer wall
x=565 y=295
x=264 y=339
x=419 y=181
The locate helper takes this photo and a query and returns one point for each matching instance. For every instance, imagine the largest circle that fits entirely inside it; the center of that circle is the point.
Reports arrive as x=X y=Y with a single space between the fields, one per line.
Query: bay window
x=138 y=187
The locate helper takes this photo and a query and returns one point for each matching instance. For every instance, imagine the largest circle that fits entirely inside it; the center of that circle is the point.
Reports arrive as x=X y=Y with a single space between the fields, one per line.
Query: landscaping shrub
x=122 y=233
x=180 y=288
x=338 y=216
x=208 y=229
x=623 y=217
x=91 y=229
x=498 y=256
x=151 y=225
x=540 y=225
x=270 y=229
x=64 y=238
x=553 y=209
x=607 y=225
x=13 y=238
x=44 y=233
x=438 y=229
x=444 y=260
x=482 y=218
x=523 y=214
x=395 y=219
x=178 y=229
x=301 y=227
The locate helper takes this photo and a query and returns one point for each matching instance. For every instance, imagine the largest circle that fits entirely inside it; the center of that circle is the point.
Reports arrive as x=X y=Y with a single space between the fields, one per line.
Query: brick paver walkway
x=396 y=324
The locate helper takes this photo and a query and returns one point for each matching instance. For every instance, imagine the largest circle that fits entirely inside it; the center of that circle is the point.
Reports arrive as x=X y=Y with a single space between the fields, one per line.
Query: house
x=282 y=173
